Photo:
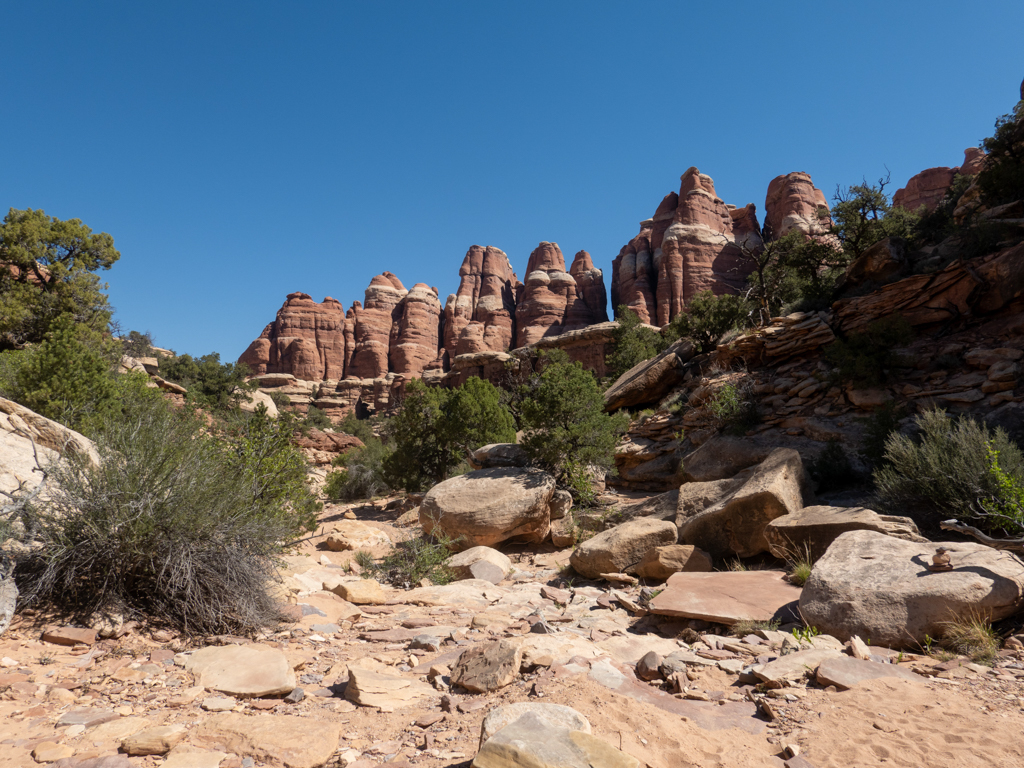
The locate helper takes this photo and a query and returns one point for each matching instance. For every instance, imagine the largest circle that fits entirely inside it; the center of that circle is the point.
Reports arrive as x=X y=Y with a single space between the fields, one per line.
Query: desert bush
x=565 y=425
x=136 y=344
x=436 y=428
x=633 y=342
x=1002 y=178
x=866 y=358
x=707 y=319
x=210 y=383
x=878 y=427
x=733 y=409
x=955 y=468
x=317 y=419
x=172 y=524
x=423 y=557
x=361 y=474
x=361 y=428
x=281 y=400
x=832 y=468
x=971 y=636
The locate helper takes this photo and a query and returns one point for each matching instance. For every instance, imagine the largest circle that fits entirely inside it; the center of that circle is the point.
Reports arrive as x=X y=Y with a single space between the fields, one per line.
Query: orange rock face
x=376 y=327
x=552 y=301
x=928 y=187
x=481 y=316
x=419 y=331
x=793 y=202
x=306 y=340
x=688 y=246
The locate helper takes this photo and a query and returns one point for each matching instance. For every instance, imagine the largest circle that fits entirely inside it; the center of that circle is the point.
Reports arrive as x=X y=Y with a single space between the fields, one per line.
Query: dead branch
x=1008 y=545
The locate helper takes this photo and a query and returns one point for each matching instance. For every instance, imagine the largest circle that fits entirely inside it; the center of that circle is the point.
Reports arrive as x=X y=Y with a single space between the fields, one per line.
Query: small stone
x=488 y=667
x=649 y=667
x=358 y=592
x=219 y=703
x=154 y=741
x=295 y=696
x=50 y=752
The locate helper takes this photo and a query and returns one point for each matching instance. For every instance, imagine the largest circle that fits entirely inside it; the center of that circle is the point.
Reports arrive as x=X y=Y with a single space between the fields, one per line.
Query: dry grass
x=971 y=636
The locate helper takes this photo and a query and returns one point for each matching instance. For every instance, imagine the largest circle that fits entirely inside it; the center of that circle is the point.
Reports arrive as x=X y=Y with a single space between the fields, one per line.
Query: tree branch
x=1008 y=545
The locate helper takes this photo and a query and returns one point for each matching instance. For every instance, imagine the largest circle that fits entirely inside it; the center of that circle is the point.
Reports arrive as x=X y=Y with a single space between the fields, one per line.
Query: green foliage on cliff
x=47 y=270
x=435 y=429
x=1002 y=179
x=707 y=319
x=634 y=342
x=868 y=357
x=210 y=383
x=863 y=214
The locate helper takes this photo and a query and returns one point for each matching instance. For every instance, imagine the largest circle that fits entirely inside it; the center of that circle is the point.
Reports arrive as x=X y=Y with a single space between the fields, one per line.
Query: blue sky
x=238 y=152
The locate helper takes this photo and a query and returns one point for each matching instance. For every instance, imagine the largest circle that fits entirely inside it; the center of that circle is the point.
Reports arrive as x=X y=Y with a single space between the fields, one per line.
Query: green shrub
x=936 y=225
x=707 y=319
x=733 y=409
x=317 y=419
x=436 y=428
x=210 y=383
x=1002 y=178
x=878 y=427
x=172 y=524
x=361 y=428
x=362 y=474
x=565 y=425
x=423 y=557
x=69 y=377
x=832 y=468
x=135 y=344
x=956 y=468
x=281 y=400
x=867 y=358
x=633 y=342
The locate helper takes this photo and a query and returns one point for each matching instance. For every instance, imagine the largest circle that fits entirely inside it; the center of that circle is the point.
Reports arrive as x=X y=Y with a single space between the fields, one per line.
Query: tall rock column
x=376 y=327
x=419 y=327
x=793 y=202
x=306 y=339
x=481 y=316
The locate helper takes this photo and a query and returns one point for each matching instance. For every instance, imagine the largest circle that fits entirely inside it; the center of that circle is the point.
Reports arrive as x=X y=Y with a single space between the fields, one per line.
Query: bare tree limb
x=1008 y=545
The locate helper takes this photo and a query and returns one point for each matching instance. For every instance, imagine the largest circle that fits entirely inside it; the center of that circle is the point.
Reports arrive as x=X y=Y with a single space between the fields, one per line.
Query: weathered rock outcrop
x=488 y=506
x=928 y=187
x=877 y=586
x=376 y=327
x=651 y=380
x=793 y=202
x=621 y=547
x=552 y=300
x=687 y=247
x=810 y=531
x=306 y=340
x=481 y=316
x=419 y=331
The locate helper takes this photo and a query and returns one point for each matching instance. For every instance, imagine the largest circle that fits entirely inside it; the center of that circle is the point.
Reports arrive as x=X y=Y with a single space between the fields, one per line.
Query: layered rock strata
x=481 y=316
x=688 y=246
x=793 y=202
x=928 y=187
x=554 y=301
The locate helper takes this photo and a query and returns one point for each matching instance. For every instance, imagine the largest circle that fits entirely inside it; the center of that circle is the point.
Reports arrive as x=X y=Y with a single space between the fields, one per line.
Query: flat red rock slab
x=69 y=636
x=727 y=597
x=845 y=672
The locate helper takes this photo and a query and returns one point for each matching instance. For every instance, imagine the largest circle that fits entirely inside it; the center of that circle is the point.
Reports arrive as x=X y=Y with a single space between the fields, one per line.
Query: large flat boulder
x=534 y=741
x=877 y=586
x=720 y=458
x=735 y=525
x=621 y=547
x=651 y=380
x=557 y=715
x=812 y=530
x=845 y=672
x=483 y=563
x=285 y=740
x=661 y=562
x=374 y=688
x=242 y=670
x=488 y=506
x=488 y=667
x=727 y=597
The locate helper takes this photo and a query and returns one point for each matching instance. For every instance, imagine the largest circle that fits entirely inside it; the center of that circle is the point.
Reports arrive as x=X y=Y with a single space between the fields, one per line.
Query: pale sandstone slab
x=284 y=740
x=726 y=597
x=242 y=670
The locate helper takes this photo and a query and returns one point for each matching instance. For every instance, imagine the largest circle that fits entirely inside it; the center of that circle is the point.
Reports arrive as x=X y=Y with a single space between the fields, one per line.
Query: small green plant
x=971 y=636
x=423 y=557
x=708 y=318
x=281 y=400
x=799 y=573
x=633 y=342
x=46 y=659
x=733 y=409
x=805 y=634
x=868 y=357
x=749 y=626
x=736 y=565
x=928 y=642
x=317 y=419
x=366 y=562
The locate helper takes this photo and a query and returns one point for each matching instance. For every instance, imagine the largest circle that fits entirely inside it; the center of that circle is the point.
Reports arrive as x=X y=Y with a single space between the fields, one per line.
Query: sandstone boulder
x=488 y=667
x=735 y=525
x=877 y=586
x=284 y=740
x=881 y=262
x=557 y=715
x=387 y=692
x=498 y=455
x=661 y=562
x=480 y=563
x=727 y=597
x=354 y=535
x=533 y=741
x=720 y=458
x=242 y=670
x=845 y=672
x=357 y=591
x=651 y=380
x=488 y=506
x=812 y=530
x=621 y=547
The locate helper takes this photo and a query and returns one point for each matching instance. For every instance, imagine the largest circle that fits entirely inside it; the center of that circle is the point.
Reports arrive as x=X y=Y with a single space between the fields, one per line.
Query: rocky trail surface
x=412 y=677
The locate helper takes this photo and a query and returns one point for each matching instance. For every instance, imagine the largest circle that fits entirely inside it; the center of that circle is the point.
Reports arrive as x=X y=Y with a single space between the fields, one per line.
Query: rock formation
x=928 y=187
x=481 y=316
x=419 y=331
x=376 y=327
x=793 y=202
x=554 y=301
x=688 y=246
x=307 y=340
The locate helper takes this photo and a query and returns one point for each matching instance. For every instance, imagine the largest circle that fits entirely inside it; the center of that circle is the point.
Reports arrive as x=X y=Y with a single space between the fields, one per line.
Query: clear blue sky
x=241 y=151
